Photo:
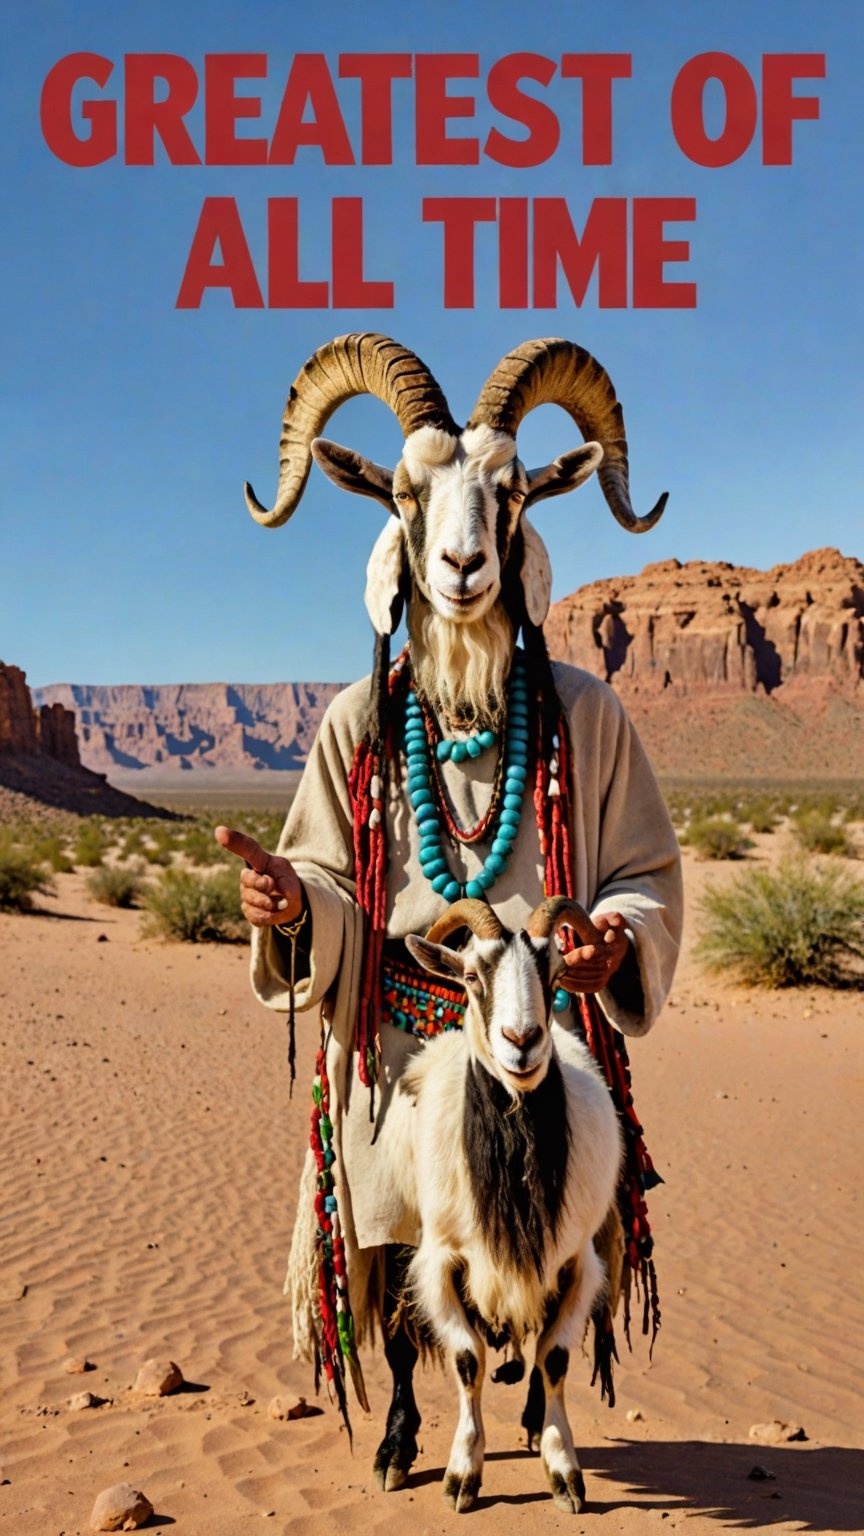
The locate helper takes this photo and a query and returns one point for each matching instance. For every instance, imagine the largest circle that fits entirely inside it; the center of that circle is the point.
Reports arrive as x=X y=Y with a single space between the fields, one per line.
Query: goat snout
x=466 y=565
x=523 y=1039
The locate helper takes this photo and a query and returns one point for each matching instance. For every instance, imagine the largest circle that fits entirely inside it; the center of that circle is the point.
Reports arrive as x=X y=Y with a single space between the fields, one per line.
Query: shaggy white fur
x=462 y=668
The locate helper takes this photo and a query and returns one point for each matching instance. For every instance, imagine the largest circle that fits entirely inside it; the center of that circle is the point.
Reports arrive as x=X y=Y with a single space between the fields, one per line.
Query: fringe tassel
x=554 y=823
x=605 y=1351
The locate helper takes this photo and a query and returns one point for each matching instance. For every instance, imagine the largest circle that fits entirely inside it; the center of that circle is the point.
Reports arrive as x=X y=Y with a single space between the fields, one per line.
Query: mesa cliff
x=726 y=669
x=234 y=728
x=40 y=765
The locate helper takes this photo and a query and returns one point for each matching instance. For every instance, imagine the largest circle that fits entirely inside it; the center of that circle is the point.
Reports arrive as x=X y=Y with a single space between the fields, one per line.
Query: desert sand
x=148 y=1167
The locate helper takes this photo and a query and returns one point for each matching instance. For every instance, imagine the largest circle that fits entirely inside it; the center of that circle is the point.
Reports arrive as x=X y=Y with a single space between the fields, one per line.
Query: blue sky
x=128 y=426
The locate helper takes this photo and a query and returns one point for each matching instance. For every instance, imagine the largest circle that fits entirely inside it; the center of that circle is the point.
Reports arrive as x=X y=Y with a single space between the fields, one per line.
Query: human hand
x=590 y=967
x=270 y=890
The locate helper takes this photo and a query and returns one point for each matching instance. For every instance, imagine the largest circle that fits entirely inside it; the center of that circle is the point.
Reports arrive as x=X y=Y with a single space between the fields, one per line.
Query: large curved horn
x=557 y=910
x=359 y=364
x=467 y=913
x=557 y=372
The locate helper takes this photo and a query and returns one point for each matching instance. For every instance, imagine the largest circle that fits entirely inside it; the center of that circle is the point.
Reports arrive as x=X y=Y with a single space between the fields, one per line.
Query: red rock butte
x=727 y=670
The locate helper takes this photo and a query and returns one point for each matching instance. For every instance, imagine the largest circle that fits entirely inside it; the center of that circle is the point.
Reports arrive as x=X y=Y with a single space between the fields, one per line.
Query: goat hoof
x=391 y=1467
x=568 y=1493
x=461 y=1490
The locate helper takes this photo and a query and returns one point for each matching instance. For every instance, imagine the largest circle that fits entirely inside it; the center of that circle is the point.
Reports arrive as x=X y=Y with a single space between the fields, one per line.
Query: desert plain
x=149 y=1159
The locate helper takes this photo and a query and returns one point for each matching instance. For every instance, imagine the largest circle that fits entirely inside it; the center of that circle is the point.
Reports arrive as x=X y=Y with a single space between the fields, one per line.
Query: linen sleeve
x=639 y=875
x=318 y=839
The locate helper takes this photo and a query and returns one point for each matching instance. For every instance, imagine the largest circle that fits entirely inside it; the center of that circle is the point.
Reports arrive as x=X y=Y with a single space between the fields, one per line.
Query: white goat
x=511 y=1152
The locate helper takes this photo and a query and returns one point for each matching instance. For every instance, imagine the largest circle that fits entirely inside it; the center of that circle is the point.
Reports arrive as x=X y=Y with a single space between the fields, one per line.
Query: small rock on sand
x=83 y=1400
x=778 y=1432
x=283 y=1408
x=635 y=1415
x=77 y=1365
x=157 y=1378
x=121 y=1508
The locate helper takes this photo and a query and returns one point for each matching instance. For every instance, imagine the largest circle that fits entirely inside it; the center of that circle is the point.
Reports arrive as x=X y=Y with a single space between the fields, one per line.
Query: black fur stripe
x=517 y=1161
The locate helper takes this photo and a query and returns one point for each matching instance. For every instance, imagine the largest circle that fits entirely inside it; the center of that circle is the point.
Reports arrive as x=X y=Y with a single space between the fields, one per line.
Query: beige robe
x=626 y=859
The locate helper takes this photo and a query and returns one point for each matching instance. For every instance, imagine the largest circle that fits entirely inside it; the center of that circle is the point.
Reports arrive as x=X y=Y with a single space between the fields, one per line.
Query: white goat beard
x=462 y=669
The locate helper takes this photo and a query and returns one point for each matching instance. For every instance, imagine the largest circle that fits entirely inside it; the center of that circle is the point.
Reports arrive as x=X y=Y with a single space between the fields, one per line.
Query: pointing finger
x=244 y=847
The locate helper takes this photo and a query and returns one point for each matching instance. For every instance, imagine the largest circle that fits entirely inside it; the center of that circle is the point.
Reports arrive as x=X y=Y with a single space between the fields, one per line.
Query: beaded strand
x=422 y=783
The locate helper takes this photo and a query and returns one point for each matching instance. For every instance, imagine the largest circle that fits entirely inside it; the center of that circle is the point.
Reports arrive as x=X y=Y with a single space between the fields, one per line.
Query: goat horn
x=467 y=913
x=360 y=364
x=550 y=915
x=557 y=372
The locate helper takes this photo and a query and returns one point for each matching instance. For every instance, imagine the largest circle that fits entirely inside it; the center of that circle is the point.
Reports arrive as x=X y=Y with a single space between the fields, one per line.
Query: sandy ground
x=147 y=1178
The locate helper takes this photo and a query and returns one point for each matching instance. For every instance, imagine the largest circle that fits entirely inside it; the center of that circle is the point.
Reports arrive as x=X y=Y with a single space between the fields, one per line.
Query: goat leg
x=433 y=1280
x=398 y=1450
x=563 y=1333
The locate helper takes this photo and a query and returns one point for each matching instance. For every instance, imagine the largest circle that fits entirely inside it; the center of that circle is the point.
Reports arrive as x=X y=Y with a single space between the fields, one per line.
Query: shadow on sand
x=819 y=1489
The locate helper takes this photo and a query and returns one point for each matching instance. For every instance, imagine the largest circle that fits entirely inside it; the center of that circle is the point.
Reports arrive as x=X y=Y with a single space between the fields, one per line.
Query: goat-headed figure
x=459 y=545
x=513 y=1153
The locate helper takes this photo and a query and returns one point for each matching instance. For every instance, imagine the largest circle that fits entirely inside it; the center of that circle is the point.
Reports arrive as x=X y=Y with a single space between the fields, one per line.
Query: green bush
x=116 y=885
x=817 y=833
x=52 y=851
x=195 y=908
x=91 y=845
x=133 y=843
x=798 y=926
x=762 y=816
x=21 y=877
x=157 y=855
x=716 y=838
x=201 y=847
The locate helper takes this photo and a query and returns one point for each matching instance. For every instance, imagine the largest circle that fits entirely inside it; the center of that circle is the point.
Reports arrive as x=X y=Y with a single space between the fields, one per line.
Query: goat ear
x=536 y=574
x=351 y=472
x=564 y=474
x=436 y=958
x=385 y=578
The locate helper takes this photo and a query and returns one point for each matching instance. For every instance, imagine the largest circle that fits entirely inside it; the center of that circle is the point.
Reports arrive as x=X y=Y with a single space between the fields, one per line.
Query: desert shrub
x=52 y=851
x=201 y=847
x=91 y=845
x=797 y=926
x=716 y=837
x=22 y=876
x=193 y=908
x=132 y=846
x=818 y=833
x=762 y=816
x=157 y=854
x=116 y=885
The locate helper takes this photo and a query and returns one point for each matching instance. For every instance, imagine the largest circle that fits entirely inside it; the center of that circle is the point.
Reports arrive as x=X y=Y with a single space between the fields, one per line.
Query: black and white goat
x=511 y=1150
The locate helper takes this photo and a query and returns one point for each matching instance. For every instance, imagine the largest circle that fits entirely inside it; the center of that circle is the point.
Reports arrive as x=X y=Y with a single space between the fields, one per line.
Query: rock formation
x=237 y=728
x=708 y=627
x=39 y=761
x=17 y=721
x=49 y=730
x=727 y=670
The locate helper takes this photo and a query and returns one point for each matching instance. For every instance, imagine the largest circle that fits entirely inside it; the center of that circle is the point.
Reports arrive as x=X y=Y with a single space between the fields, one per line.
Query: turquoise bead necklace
x=513 y=768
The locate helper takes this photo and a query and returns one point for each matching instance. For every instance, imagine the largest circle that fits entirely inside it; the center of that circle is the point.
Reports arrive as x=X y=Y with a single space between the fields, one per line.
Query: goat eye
x=402 y=496
x=470 y=977
x=518 y=497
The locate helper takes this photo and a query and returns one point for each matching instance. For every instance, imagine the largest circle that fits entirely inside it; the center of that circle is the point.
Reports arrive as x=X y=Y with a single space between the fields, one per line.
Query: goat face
x=509 y=995
x=459 y=501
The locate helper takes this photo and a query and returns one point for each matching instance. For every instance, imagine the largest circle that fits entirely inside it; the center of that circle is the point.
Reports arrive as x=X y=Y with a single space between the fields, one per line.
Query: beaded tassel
x=335 y=1344
x=607 y=1046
